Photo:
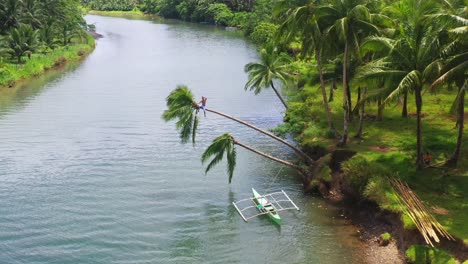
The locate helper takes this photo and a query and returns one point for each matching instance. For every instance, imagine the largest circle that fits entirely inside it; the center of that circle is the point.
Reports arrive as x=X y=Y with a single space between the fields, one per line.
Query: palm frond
x=459 y=30
x=221 y=145
x=194 y=128
x=410 y=82
x=181 y=107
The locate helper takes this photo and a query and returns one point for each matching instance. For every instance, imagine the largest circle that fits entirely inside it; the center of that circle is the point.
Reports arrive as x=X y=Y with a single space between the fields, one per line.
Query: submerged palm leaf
x=221 y=145
x=182 y=107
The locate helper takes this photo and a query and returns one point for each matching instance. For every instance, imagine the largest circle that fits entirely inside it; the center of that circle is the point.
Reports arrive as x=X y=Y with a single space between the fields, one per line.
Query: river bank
x=40 y=63
x=356 y=175
x=134 y=14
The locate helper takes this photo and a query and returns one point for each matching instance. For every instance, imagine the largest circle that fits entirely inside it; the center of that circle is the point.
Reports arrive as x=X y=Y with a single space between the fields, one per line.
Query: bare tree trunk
x=419 y=150
x=346 y=110
x=404 y=111
x=460 y=122
x=307 y=159
x=286 y=163
x=279 y=96
x=324 y=93
x=361 y=115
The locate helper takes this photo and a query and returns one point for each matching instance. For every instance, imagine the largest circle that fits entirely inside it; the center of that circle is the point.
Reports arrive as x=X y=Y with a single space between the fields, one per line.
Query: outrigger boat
x=269 y=204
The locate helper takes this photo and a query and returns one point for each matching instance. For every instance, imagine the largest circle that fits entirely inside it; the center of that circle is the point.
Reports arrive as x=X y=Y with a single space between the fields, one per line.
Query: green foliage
x=221 y=145
x=167 y=8
x=22 y=41
x=148 y=6
x=386 y=236
x=358 y=172
x=264 y=32
x=420 y=254
x=10 y=12
x=182 y=108
x=38 y=26
x=379 y=190
x=221 y=13
x=239 y=19
x=272 y=66
x=262 y=12
x=111 y=5
x=41 y=62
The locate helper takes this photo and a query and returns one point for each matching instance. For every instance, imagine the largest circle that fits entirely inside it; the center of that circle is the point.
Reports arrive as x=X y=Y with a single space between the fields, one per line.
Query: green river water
x=91 y=174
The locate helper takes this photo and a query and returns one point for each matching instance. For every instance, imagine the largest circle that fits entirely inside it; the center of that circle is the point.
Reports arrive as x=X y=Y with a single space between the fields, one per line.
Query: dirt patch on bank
x=95 y=35
x=382 y=149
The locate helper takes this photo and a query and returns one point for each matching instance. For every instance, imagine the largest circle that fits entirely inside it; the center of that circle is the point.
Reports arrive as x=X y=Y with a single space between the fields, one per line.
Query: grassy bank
x=10 y=73
x=133 y=14
x=388 y=149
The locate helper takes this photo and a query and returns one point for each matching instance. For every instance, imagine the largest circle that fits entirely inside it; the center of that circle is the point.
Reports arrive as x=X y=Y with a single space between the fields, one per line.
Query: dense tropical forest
x=254 y=18
x=383 y=82
x=35 y=33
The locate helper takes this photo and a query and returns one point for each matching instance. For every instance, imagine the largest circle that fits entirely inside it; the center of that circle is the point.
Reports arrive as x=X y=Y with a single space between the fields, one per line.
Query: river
x=90 y=173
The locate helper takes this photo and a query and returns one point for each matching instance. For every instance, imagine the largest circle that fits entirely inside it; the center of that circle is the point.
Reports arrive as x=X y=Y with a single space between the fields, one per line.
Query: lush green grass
x=134 y=14
x=11 y=73
x=419 y=254
x=390 y=145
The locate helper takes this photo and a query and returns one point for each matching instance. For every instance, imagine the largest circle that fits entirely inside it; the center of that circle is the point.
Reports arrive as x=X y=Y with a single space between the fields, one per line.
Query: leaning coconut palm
x=225 y=144
x=272 y=66
x=183 y=108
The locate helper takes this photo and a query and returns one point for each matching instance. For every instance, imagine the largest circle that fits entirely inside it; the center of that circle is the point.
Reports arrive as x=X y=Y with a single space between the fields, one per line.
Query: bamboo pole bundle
x=425 y=222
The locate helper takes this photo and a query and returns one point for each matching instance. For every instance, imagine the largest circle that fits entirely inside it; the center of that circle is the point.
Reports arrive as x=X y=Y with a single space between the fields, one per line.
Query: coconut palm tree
x=413 y=60
x=32 y=13
x=272 y=66
x=183 y=108
x=352 y=21
x=10 y=11
x=304 y=21
x=225 y=144
x=21 y=41
x=456 y=70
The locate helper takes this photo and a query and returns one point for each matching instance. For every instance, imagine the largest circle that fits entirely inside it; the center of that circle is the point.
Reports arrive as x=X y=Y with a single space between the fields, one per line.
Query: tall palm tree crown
x=272 y=66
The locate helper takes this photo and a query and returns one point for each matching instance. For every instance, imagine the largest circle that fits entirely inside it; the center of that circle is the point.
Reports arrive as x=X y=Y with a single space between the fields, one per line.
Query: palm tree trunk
x=307 y=159
x=324 y=93
x=344 y=137
x=419 y=150
x=350 y=104
x=460 y=121
x=286 y=163
x=279 y=96
x=404 y=112
x=332 y=87
x=361 y=115
x=379 y=110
